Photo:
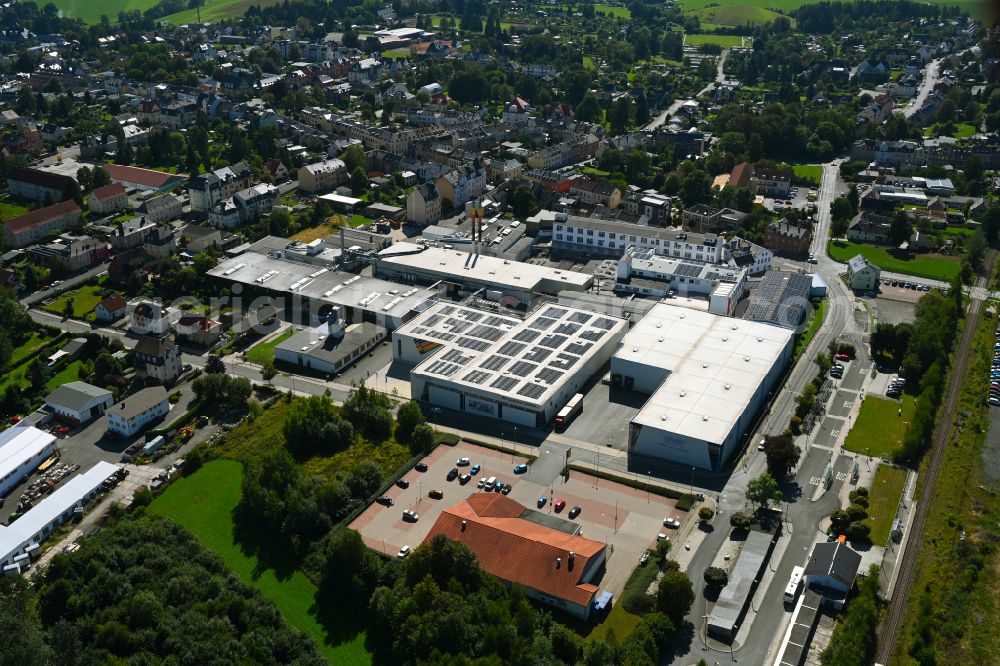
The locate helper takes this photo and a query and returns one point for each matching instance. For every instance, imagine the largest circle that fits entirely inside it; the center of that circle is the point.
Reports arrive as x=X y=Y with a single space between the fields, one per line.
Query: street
x=672 y=109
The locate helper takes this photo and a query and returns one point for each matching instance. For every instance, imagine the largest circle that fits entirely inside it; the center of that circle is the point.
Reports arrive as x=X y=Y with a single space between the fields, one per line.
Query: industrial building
x=780 y=299
x=22 y=449
x=330 y=347
x=25 y=534
x=306 y=291
x=543 y=554
x=512 y=283
x=646 y=273
x=708 y=376
x=502 y=367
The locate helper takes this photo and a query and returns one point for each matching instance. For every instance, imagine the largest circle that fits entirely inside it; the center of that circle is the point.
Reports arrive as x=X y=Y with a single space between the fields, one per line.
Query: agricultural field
x=734 y=15
x=931 y=266
x=883 y=497
x=203 y=503
x=721 y=40
x=215 y=10
x=880 y=429
x=90 y=11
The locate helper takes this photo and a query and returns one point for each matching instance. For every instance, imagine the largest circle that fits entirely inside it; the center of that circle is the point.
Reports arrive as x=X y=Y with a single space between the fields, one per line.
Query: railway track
x=942 y=433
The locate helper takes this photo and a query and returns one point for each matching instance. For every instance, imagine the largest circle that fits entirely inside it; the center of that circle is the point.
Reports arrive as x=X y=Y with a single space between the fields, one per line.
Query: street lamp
x=648 y=473
x=691 y=486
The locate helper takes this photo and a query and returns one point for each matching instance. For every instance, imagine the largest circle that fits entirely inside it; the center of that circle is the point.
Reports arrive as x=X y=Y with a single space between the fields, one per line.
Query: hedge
x=634 y=597
x=503 y=449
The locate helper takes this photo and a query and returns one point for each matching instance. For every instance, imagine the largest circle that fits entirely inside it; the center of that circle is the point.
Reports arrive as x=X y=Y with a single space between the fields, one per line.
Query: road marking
x=834 y=432
x=848 y=404
x=820 y=446
x=863 y=371
x=841 y=476
x=813 y=480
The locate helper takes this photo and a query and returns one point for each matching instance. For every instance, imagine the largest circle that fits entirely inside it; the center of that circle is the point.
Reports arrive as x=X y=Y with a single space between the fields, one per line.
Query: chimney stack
x=558 y=562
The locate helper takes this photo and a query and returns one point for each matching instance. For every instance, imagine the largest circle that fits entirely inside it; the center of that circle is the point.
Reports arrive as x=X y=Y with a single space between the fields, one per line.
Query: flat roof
x=322 y=283
x=648 y=261
x=25 y=528
x=490 y=353
x=733 y=598
x=453 y=264
x=318 y=343
x=20 y=444
x=715 y=365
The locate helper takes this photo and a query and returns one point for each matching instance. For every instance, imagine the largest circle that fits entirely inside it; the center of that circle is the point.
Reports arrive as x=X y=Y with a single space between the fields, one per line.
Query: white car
x=671 y=522
x=760 y=447
x=403 y=552
x=662 y=537
x=481 y=482
x=463 y=462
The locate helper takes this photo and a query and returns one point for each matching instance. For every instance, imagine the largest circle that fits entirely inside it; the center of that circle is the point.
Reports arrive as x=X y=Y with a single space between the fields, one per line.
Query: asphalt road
x=65 y=285
x=672 y=109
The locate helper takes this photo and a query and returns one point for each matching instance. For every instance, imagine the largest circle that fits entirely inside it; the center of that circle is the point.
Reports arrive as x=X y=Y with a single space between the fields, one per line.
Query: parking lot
x=626 y=519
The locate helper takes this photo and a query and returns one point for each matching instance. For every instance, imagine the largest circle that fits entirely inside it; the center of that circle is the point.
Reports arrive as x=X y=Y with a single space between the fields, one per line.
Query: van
x=490 y=482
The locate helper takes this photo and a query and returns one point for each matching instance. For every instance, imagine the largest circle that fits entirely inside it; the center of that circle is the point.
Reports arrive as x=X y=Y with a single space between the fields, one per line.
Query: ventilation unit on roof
x=683 y=393
x=704 y=365
x=746 y=359
x=635 y=349
x=759 y=339
x=727 y=387
x=663 y=418
x=704 y=418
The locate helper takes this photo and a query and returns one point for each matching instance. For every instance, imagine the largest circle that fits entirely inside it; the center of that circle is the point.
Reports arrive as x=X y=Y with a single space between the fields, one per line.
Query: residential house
x=277 y=169
x=862 y=275
x=323 y=176
x=462 y=184
x=108 y=199
x=38 y=185
x=74 y=253
x=198 y=330
x=160 y=242
x=701 y=217
x=130 y=233
x=596 y=192
x=111 y=308
x=771 y=182
x=787 y=238
x=423 y=205
x=144 y=180
x=869 y=227
x=8 y=279
x=656 y=208
x=161 y=208
x=132 y=414
x=517 y=110
x=148 y=317
x=741 y=176
x=157 y=359
x=32 y=227
x=208 y=188
x=243 y=207
x=831 y=571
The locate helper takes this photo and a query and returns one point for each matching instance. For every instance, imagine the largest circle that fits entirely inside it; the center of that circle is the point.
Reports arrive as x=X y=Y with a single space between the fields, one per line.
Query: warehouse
x=79 y=402
x=304 y=292
x=731 y=606
x=708 y=376
x=22 y=449
x=330 y=347
x=502 y=367
x=515 y=283
x=780 y=299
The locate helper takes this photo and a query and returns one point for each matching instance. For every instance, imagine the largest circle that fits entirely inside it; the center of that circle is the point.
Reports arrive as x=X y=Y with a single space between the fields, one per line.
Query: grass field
x=85 y=299
x=36 y=340
x=879 y=429
x=203 y=503
x=265 y=350
x=934 y=267
x=808 y=171
x=10 y=210
x=962 y=130
x=883 y=497
x=721 y=40
x=69 y=373
x=617 y=12
x=216 y=9
x=734 y=15
x=90 y=10
x=976 y=9
x=817 y=316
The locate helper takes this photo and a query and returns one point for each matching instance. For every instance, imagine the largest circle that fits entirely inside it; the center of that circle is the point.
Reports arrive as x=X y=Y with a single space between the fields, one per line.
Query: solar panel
x=567 y=328
x=553 y=341
x=445 y=336
x=531 y=390
x=526 y=335
x=548 y=375
x=579 y=317
x=564 y=361
x=433 y=320
x=442 y=368
x=511 y=348
x=458 y=326
x=554 y=312
x=542 y=324
x=537 y=354
x=493 y=320
x=447 y=310
x=592 y=335
x=472 y=343
x=472 y=315
x=495 y=362
x=523 y=368
x=604 y=324
x=477 y=377
x=456 y=356
x=504 y=383
x=486 y=332
x=579 y=348
x=685 y=269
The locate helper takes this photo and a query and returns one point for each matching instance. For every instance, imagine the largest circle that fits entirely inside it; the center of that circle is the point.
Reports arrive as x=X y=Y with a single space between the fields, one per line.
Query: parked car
x=436 y=494
x=760 y=446
x=463 y=462
x=475 y=470
x=644 y=558
x=464 y=479
x=453 y=474
x=403 y=552
x=410 y=516
x=506 y=489
x=671 y=522
x=498 y=488
x=559 y=505
x=403 y=483
x=574 y=512
x=662 y=537
x=385 y=500
x=520 y=469
x=842 y=357
x=541 y=501
x=420 y=467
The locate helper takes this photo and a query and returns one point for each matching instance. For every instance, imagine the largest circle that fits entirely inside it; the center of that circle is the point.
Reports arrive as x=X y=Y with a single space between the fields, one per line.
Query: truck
x=569 y=411
x=153 y=445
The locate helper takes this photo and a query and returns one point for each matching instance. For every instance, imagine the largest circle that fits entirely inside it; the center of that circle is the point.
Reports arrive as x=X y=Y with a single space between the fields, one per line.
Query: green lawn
x=617 y=12
x=265 y=350
x=934 y=267
x=808 y=171
x=817 y=315
x=734 y=15
x=588 y=62
x=36 y=340
x=91 y=10
x=10 y=210
x=85 y=299
x=203 y=503
x=976 y=9
x=721 y=40
x=70 y=373
x=214 y=10
x=879 y=429
x=883 y=497
x=962 y=130
x=591 y=171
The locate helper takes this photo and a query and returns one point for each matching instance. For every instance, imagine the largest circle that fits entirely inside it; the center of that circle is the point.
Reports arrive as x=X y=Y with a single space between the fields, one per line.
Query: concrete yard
x=626 y=519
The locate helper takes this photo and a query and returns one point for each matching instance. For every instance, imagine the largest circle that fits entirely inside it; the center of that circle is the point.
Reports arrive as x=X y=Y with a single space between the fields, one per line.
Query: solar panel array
x=519 y=358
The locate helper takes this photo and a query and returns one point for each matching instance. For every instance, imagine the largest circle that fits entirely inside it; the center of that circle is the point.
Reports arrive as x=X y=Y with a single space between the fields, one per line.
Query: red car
x=559 y=505
x=842 y=357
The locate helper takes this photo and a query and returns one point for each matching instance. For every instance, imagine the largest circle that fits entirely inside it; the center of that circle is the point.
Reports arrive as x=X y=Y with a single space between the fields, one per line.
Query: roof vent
x=746 y=359
x=682 y=316
x=463 y=525
x=683 y=393
x=659 y=324
x=704 y=418
x=734 y=327
x=660 y=339
x=635 y=349
x=728 y=387
x=725 y=338
x=760 y=339
x=663 y=418
x=558 y=562
x=704 y=365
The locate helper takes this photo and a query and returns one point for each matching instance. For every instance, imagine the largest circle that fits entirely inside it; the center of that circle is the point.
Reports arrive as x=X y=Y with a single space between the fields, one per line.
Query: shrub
x=685 y=502
x=716 y=577
x=739 y=520
x=706 y=514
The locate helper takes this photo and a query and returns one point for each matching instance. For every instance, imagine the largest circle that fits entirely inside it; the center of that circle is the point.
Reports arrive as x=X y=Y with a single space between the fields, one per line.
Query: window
x=600 y=234
x=590 y=232
x=559 y=237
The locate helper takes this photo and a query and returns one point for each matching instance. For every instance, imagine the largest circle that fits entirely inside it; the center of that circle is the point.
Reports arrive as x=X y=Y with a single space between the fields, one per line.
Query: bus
x=572 y=408
x=794 y=585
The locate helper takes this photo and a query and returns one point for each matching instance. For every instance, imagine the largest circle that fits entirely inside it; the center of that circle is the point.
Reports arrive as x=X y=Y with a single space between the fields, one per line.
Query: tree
x=588 y=110
x=763 y=490
x=663 y=549
x=642 y=111
x=68 y=308
x=523 y=202
x=739 y=520
x=782 y=454
x=101 y=177
x=313 y=425
x=696 y=187
x=267 y=370
x=900 y=228
x=854 y=198
x=620 y=114
x=716 y=577
x=353 y=157
x=422 y=439
x=705 y=514
x=840 y=209
x=675 y=596
x=359 y=181
x=408 y=417
x=215 y=365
